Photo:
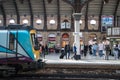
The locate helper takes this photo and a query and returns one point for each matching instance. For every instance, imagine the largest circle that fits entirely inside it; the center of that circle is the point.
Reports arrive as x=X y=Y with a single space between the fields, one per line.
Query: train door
x=8 y=48
x=12 y=41
x=12 y=44
x=4 y=43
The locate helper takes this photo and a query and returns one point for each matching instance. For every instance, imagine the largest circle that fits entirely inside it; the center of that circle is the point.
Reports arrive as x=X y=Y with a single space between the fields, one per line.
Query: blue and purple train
x=18 y=46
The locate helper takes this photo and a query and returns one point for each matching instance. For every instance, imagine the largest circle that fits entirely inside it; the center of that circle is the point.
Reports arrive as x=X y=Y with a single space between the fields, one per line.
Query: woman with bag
x=115 y=51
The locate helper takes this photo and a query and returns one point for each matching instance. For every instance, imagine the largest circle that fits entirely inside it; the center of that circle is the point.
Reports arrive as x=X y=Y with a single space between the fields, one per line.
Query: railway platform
x=53 y=58
x=88 y=67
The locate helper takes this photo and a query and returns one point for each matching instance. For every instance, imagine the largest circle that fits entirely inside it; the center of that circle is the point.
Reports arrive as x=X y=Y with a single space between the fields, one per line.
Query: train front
x=18 y=46
x=35 y=45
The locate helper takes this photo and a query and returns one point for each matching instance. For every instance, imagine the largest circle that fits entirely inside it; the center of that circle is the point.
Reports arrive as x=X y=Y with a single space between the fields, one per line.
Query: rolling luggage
x=61 y=56
x=77 y=57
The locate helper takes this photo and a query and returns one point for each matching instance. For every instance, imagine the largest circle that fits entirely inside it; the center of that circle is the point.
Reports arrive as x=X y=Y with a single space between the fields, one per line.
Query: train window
x=34 y=42
x=11 y=41
x=33 y=39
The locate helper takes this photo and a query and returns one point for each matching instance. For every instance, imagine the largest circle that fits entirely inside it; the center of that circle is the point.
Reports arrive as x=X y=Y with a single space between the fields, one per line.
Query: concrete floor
x=54 y=58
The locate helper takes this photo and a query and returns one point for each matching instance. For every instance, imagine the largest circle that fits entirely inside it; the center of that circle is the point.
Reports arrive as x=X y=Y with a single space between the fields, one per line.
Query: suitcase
x=77 y=57
x=61 y=56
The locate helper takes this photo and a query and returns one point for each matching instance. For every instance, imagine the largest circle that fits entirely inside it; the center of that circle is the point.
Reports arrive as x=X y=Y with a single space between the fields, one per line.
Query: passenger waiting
x=94 y=49
x=67 y=51
x=101 y=48
x=107 y=49
x=74 y=51
x=116 y=51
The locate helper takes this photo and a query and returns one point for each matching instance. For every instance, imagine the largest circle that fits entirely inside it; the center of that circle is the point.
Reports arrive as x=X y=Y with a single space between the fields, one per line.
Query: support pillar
x=77 y=17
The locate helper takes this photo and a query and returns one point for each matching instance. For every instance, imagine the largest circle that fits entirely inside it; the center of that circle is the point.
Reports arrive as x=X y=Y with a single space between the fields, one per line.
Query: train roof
x=16 y=27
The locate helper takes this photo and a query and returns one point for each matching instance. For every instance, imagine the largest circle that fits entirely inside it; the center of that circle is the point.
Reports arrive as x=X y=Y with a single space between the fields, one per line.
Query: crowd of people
x=105 y=49
x=101 y=49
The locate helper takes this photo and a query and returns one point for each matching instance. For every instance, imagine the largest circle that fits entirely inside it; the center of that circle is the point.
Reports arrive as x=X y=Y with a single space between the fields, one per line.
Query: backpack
x=116 y=48
x=107 y=47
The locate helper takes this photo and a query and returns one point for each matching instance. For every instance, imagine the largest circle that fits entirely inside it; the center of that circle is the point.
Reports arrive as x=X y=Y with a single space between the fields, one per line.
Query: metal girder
x=31 y=12
x=67 y=1
x=58 y=14
x=72 y=23
x=106 y=1
x=77 y=4
x=21 y=1
x=45 y=16
x=3 y=13
x=86 y=17
x=49 y=1
x=115 y=12
x=17 y=11
x=101 y=11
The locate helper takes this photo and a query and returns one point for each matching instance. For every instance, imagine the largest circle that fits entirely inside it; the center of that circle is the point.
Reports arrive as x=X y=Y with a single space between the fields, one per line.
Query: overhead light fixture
x=92 y=22
x=80 y=22
x=12 y=21
x=52 y=22
x=38 y=21
x=25 y=21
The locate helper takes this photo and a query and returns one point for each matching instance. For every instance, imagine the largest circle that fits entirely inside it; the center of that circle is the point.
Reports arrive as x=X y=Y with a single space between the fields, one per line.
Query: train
x=19 y=49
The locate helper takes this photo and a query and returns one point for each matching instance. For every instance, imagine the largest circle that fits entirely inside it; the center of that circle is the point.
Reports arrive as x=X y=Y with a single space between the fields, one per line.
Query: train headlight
x=35 y=55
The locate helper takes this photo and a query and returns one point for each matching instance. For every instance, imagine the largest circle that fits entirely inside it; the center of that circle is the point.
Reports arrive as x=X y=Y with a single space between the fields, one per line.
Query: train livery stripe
x=4 y=49
x=25 y=43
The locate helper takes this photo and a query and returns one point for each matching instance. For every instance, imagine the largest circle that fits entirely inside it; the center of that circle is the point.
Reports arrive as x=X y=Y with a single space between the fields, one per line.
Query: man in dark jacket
x=67 y=51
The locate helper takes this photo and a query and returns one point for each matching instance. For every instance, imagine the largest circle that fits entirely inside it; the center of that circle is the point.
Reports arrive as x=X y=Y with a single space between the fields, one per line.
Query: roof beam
x=31 y=12
x=86 y=18
x=77 y=4
x=67 y=1
x=101 y=11
x=58 y=14
x=45 y=16
x=17 y=11
x=86 y=2
x=72 y=23
x=106 y=1
x=49 y=1
x=115 y=12
x=21 y=1
x=3 y=13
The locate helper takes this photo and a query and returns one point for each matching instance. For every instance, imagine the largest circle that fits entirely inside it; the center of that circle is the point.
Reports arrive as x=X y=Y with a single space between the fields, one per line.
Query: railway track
x=70 y=72
x=61 y=77
x=66 y=74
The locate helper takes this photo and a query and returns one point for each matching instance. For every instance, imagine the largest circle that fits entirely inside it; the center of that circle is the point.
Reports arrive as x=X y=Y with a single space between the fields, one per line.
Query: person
x=94 y=49
x=107 y=49
x=90 y=49
x=46 y=49
x=74 y=51
x=43 y=50
x=67 y=50
x=119 y=50
x=62 y=53
x=101 y=48
x=115 y=50
x=85 y=50
x=90 y=43
x=82 y=49
x=40 y=50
